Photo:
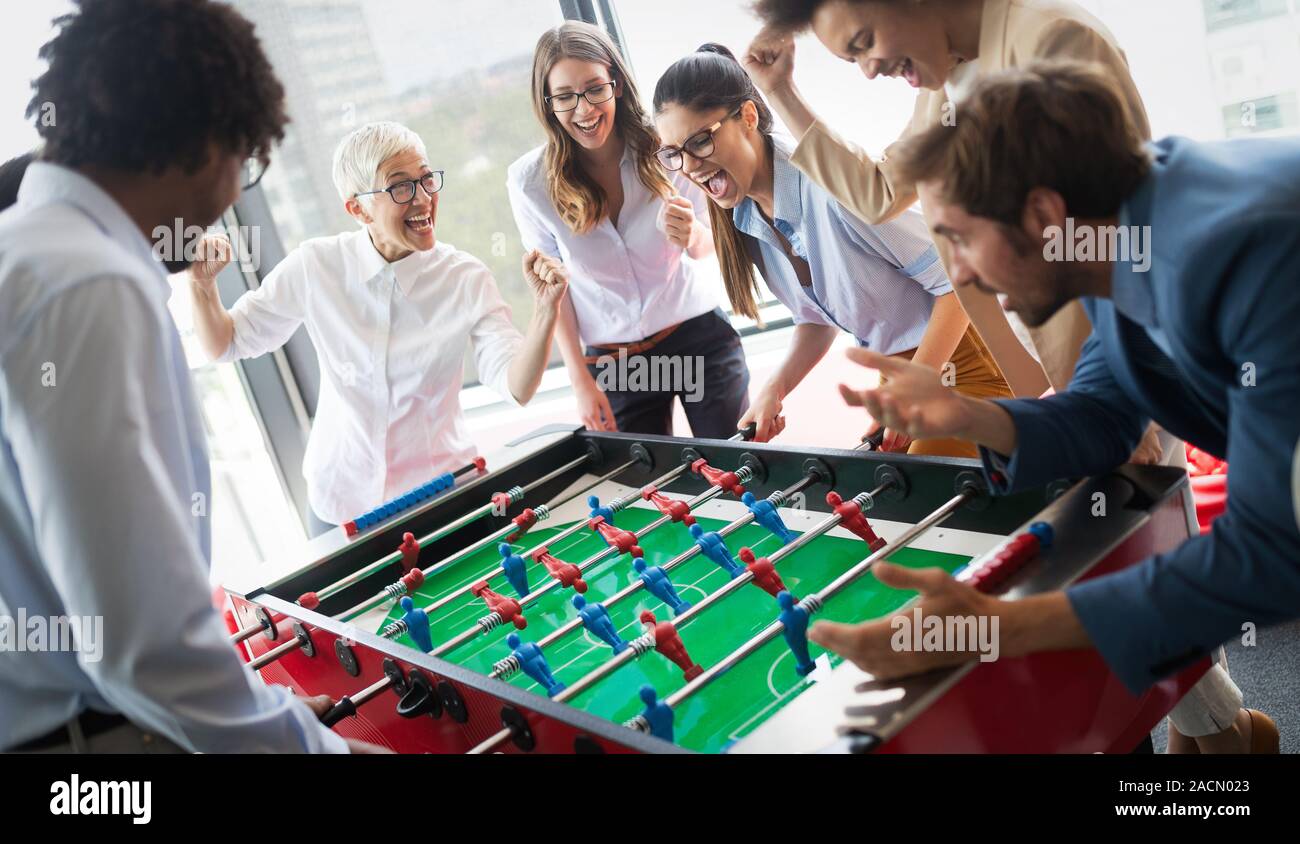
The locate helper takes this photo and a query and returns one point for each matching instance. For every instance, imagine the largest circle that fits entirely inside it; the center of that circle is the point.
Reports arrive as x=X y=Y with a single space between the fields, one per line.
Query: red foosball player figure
x=569 y=575
x=670 y=507
x=507 y=608
x=851 y=519
x=726 y=481
x=669 y=643
x=410 y=552
x=765 y=576
x=623 y=540
x=525 y=522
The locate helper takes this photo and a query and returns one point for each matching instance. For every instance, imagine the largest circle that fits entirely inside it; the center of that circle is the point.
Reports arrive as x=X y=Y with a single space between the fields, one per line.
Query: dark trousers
x=701 y=364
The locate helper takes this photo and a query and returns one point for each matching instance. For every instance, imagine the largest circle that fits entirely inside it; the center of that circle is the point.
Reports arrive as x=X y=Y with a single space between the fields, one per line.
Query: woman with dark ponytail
x=883 y=284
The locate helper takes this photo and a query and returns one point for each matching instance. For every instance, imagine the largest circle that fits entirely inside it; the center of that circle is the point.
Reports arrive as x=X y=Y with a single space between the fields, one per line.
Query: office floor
x=1268 y=675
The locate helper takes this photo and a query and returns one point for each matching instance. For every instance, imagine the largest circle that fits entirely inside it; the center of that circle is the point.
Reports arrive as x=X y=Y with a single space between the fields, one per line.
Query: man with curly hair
x=158 y=106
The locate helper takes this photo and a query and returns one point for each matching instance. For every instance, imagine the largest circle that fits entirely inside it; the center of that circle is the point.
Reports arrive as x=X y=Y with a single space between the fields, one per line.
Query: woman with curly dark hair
x=157 y=108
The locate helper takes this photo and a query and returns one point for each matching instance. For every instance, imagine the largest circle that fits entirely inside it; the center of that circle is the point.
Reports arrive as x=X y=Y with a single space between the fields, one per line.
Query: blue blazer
x=1206 y=343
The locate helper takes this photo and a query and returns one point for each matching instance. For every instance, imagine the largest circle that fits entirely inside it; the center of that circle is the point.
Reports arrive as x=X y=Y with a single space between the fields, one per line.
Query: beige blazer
x=1012 y=33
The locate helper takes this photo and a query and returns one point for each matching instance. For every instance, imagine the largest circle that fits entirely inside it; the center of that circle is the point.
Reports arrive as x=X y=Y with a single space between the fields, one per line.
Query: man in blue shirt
x=1194 y=327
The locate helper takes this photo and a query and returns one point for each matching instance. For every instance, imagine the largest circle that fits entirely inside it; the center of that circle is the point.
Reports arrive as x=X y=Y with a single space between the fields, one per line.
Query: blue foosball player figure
x=417 y=625
x=533 y=663
x=606 y=513
x=657 y=583
x=715 y=549
x=658 y=715
x=596 y=619
x=794 y=618
x=515 y=568
x=765 y=514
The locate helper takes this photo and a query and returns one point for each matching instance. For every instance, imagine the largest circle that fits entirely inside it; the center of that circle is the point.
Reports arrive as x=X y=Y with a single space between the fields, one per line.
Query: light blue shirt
x=105 y=492
x=878 y=283
x=626 y=281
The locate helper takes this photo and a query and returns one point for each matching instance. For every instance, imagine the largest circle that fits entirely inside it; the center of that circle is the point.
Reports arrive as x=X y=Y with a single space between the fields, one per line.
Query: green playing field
x=732 y=705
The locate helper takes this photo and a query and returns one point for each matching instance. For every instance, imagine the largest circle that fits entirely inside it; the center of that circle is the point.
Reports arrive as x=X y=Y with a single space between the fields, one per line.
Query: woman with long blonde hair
x=595 y=197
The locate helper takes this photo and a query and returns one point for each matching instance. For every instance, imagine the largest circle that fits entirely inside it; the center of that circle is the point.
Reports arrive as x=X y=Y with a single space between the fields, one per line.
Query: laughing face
x=398 y=230
x=887 y=39
x=729 y=170
x=998 y=259
x=589 y=125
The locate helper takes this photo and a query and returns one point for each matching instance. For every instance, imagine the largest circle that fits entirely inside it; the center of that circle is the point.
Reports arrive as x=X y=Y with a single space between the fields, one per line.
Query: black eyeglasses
x=404 y=192
x=252 y=171
x=596 y=94
x=700 y=145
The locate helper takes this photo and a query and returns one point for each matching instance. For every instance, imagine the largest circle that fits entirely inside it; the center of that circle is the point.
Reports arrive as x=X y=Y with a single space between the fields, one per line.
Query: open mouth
x=717 y=183
x=906 y=68
x=589 y=128
x=421 y=224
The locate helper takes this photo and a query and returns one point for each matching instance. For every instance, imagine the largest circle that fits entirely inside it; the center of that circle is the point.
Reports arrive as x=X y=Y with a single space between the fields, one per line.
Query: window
x=1220 y=14
x=1210 y=56
x=251 y=517
x=458 y=74
x=1266 y=114
x=26 y=28
x=658 y=34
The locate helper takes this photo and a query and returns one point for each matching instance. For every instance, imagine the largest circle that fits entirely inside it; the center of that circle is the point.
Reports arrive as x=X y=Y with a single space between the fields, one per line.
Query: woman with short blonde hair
x=391 y=312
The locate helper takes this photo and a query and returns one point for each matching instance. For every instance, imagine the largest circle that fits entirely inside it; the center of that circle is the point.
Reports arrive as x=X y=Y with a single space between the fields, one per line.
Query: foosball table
x=604 y=592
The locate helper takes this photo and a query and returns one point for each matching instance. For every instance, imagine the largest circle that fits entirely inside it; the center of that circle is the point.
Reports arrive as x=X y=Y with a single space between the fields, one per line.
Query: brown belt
x=637 y=348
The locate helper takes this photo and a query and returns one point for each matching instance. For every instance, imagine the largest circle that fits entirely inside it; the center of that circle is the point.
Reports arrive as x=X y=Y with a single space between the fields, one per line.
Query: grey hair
x=360 y=155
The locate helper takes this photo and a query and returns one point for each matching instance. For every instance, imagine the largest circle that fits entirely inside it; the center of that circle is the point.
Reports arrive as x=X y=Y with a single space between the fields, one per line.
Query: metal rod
x=490 y=621
x=246 y=633
x=816 y=601
x=371 y=691
x=275 y=653
x=617 y=505
x=688 y=554
x=475 y=515
x=383 y=595
x=639 y=646
x=438 y=533
x=599 y=673
x=370 y=568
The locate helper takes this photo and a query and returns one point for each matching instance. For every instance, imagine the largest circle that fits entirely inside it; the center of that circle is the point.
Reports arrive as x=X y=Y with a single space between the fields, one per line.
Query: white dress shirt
x=628 y=281
x=105 y=487
x=391 y=341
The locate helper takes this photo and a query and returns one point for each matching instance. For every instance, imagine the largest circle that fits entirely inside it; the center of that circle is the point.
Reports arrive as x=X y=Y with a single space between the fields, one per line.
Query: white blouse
x=391 y=342
x=628 y=281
